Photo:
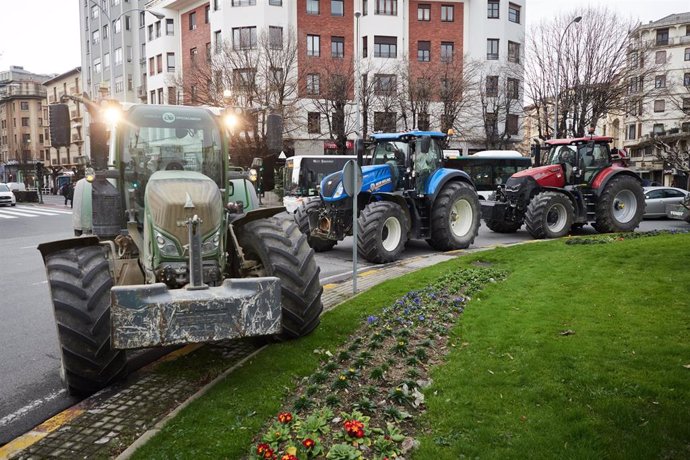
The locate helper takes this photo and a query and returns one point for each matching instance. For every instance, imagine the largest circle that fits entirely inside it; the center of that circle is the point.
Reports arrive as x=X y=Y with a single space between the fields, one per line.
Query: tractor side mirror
x=274 y=133
x=59 y=125
x=98 y=133
x=359 y=150
x=425 y=144
x=536 y=154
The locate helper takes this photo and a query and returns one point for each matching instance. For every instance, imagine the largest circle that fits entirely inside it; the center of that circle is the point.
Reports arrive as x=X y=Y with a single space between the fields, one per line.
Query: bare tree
x=416 y=95
x=498 y=92
x=597 y=69
x=456 y=88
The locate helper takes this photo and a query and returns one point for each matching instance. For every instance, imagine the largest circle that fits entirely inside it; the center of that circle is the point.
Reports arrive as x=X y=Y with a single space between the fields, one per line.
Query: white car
x=6 y=196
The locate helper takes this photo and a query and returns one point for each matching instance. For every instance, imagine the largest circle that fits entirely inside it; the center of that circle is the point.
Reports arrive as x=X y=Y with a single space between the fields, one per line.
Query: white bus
x=303 y=174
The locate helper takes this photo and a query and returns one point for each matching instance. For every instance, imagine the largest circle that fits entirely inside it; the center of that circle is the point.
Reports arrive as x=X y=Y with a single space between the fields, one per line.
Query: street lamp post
x=558 y=80
x=111 y=40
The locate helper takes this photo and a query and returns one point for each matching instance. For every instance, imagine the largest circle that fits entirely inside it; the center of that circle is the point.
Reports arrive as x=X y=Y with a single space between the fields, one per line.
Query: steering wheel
x=174 y=166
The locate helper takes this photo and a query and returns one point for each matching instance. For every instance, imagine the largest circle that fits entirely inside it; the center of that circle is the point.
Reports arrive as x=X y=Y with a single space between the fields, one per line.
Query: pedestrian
x=64 y=191
x=70 y=195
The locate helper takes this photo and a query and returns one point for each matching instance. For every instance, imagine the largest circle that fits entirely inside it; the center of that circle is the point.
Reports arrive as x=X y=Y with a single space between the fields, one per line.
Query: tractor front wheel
x=620 y=206
x=549 y=215
x=383 y=229
x=307 y=207
x=278 y=248
x=455 y=217
x=80 y=282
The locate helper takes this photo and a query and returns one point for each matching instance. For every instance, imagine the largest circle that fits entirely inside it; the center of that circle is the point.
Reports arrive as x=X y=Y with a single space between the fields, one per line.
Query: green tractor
x=175 y=257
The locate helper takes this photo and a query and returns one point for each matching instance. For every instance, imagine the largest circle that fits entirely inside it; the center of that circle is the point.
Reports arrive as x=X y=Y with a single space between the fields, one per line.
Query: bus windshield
x=303 y=174
x=487 y=172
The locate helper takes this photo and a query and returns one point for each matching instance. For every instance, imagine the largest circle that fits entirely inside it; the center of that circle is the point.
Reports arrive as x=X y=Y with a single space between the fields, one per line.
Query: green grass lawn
x=513 y=384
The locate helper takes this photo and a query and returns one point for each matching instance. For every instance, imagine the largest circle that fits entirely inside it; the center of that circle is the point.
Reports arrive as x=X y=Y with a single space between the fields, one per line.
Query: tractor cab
x=581 y=159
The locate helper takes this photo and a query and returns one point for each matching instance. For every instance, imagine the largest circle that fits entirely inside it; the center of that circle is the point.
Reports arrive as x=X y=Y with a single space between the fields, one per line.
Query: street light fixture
x=111 y=40
x=558 y=68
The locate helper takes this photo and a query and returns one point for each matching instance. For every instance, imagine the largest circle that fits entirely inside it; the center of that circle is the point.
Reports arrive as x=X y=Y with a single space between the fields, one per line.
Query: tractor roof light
x=112 y=112
x=230 y=120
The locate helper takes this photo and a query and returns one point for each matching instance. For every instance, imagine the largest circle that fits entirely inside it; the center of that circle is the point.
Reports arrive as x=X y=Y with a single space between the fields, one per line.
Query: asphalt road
x=30 y=386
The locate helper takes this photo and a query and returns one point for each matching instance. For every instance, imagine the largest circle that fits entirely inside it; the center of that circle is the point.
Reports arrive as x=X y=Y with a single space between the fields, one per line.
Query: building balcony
x=141 y=91
x=75 y=115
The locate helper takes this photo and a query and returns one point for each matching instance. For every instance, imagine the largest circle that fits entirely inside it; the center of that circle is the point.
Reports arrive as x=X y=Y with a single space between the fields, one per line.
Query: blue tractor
x=405 y=194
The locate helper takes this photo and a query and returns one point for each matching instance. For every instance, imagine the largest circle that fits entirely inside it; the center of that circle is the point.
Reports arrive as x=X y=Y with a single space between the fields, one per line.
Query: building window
x=658 y=128
x=207 y=14
x=244 y=38
x=169 y=27
x=338 y=47
x=365 y=7
x=660 y=81
x=659 y=105
x=312 y=6
x=170 y=60
x=385 y=47
x=660 y=57
x=386 y=7
x=686 y=79
x=493 y=9
x=513 y=88
x=275 y=37
x=313 y=83
x=192 y=20
x=492 y=49
x=94 y=12
x=423 y=121
x=275 y=2
x=142 y=19
x=106 y=61
x=424 y=51
x=117 y=26
x=365 y=46
x=514 y=13
x=313 y=45
x=337 y=8
x=686 y=104
x=447 y=49
x=243 y=2
x=687 y=54
x=119 y=84
x=25 y=121
x=514 y=52
x=152 y=65
x=511 y=124
x=193 y=52
x=172 y=95
x=96 y=37
x=314 y=123
x=150 y=30
x=218 y=40
x=662 y=37
x=118 y=56
x=159 y=63
x=424 y=13
x=447 y=13
x=492 y=86
x=385 y=84
x=158 y=29
x=385 y=121
x=243 y=78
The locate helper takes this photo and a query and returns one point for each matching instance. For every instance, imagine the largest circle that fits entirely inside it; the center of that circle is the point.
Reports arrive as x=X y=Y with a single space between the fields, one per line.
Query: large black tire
x=281 y=250
x=455 y=217
x=549 y=215
x=302 y=218
x=80 y=283
x=621 y=206
x=383 y=228
x=500 y=226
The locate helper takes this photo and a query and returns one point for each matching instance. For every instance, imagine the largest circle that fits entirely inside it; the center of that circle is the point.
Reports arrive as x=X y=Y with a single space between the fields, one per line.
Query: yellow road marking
x=368 y=273
x=181 y=352
x=38 y=433
x=327 y=287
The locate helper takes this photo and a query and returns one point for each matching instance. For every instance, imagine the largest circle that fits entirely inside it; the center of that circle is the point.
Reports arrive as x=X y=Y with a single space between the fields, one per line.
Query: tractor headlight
x=338 y=190
x=253 y=175
x=211 y=244
x=166 y=246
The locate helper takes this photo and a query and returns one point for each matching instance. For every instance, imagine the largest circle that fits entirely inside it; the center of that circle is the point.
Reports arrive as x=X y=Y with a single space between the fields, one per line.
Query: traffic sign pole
x=352 y=182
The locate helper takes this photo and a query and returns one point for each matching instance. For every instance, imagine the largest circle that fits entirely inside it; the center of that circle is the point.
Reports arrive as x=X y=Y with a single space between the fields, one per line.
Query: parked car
x=16 y=186
x=657 y=198
x=7 y=198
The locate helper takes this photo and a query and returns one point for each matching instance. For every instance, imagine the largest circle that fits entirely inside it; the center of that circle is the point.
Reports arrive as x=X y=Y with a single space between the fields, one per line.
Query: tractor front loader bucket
x=153 y=315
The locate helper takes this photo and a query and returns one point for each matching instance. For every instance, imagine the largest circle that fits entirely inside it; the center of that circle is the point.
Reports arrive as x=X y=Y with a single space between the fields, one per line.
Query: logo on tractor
x=379 y=184
x=168 y=117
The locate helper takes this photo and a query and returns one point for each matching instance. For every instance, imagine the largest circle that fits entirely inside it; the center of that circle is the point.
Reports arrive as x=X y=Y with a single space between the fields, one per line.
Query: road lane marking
x=7 y=217
x=54 y=210
x=40 y=211
x=18 y=213
x=32 y=405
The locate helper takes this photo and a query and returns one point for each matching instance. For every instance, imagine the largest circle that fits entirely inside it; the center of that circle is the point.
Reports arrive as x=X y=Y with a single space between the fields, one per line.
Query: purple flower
x=372 y=319
x=421 y=317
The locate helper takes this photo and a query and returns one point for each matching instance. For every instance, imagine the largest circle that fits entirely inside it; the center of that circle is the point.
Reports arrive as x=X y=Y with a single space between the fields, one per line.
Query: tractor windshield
x=561 y=154
x=159 y=139
x=390 y=151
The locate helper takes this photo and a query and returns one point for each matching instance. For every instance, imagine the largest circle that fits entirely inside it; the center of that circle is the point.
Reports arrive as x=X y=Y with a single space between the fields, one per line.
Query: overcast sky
x=43 y=35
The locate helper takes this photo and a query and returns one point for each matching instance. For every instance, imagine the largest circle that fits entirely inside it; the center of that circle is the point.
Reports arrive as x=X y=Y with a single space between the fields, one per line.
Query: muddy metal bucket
x=152 y=315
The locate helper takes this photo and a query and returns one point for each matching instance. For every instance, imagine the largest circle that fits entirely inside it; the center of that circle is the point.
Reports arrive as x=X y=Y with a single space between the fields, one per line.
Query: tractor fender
x=441 y=177
x=254 y=214
x=52 y=247
x=603 y=178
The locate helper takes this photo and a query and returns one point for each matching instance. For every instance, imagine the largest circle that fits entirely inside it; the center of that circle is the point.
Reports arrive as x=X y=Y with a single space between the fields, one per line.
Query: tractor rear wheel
x=302 y=218
x=383 y=229
x=279 y=249
x=80 y=283
x=549 y=215
x=455 y=217
x=621 y=206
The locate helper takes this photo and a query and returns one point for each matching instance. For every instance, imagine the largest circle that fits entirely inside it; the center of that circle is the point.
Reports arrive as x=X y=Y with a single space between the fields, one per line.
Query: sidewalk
x=117 y=420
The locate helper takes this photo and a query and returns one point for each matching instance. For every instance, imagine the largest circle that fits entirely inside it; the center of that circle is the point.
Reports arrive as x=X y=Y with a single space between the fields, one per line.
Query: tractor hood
x=375 y=178
x=545 y=176
x=174 y=196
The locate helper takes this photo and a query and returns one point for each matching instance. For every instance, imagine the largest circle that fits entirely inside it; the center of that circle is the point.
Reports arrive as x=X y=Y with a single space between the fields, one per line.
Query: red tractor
x=580 y=181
